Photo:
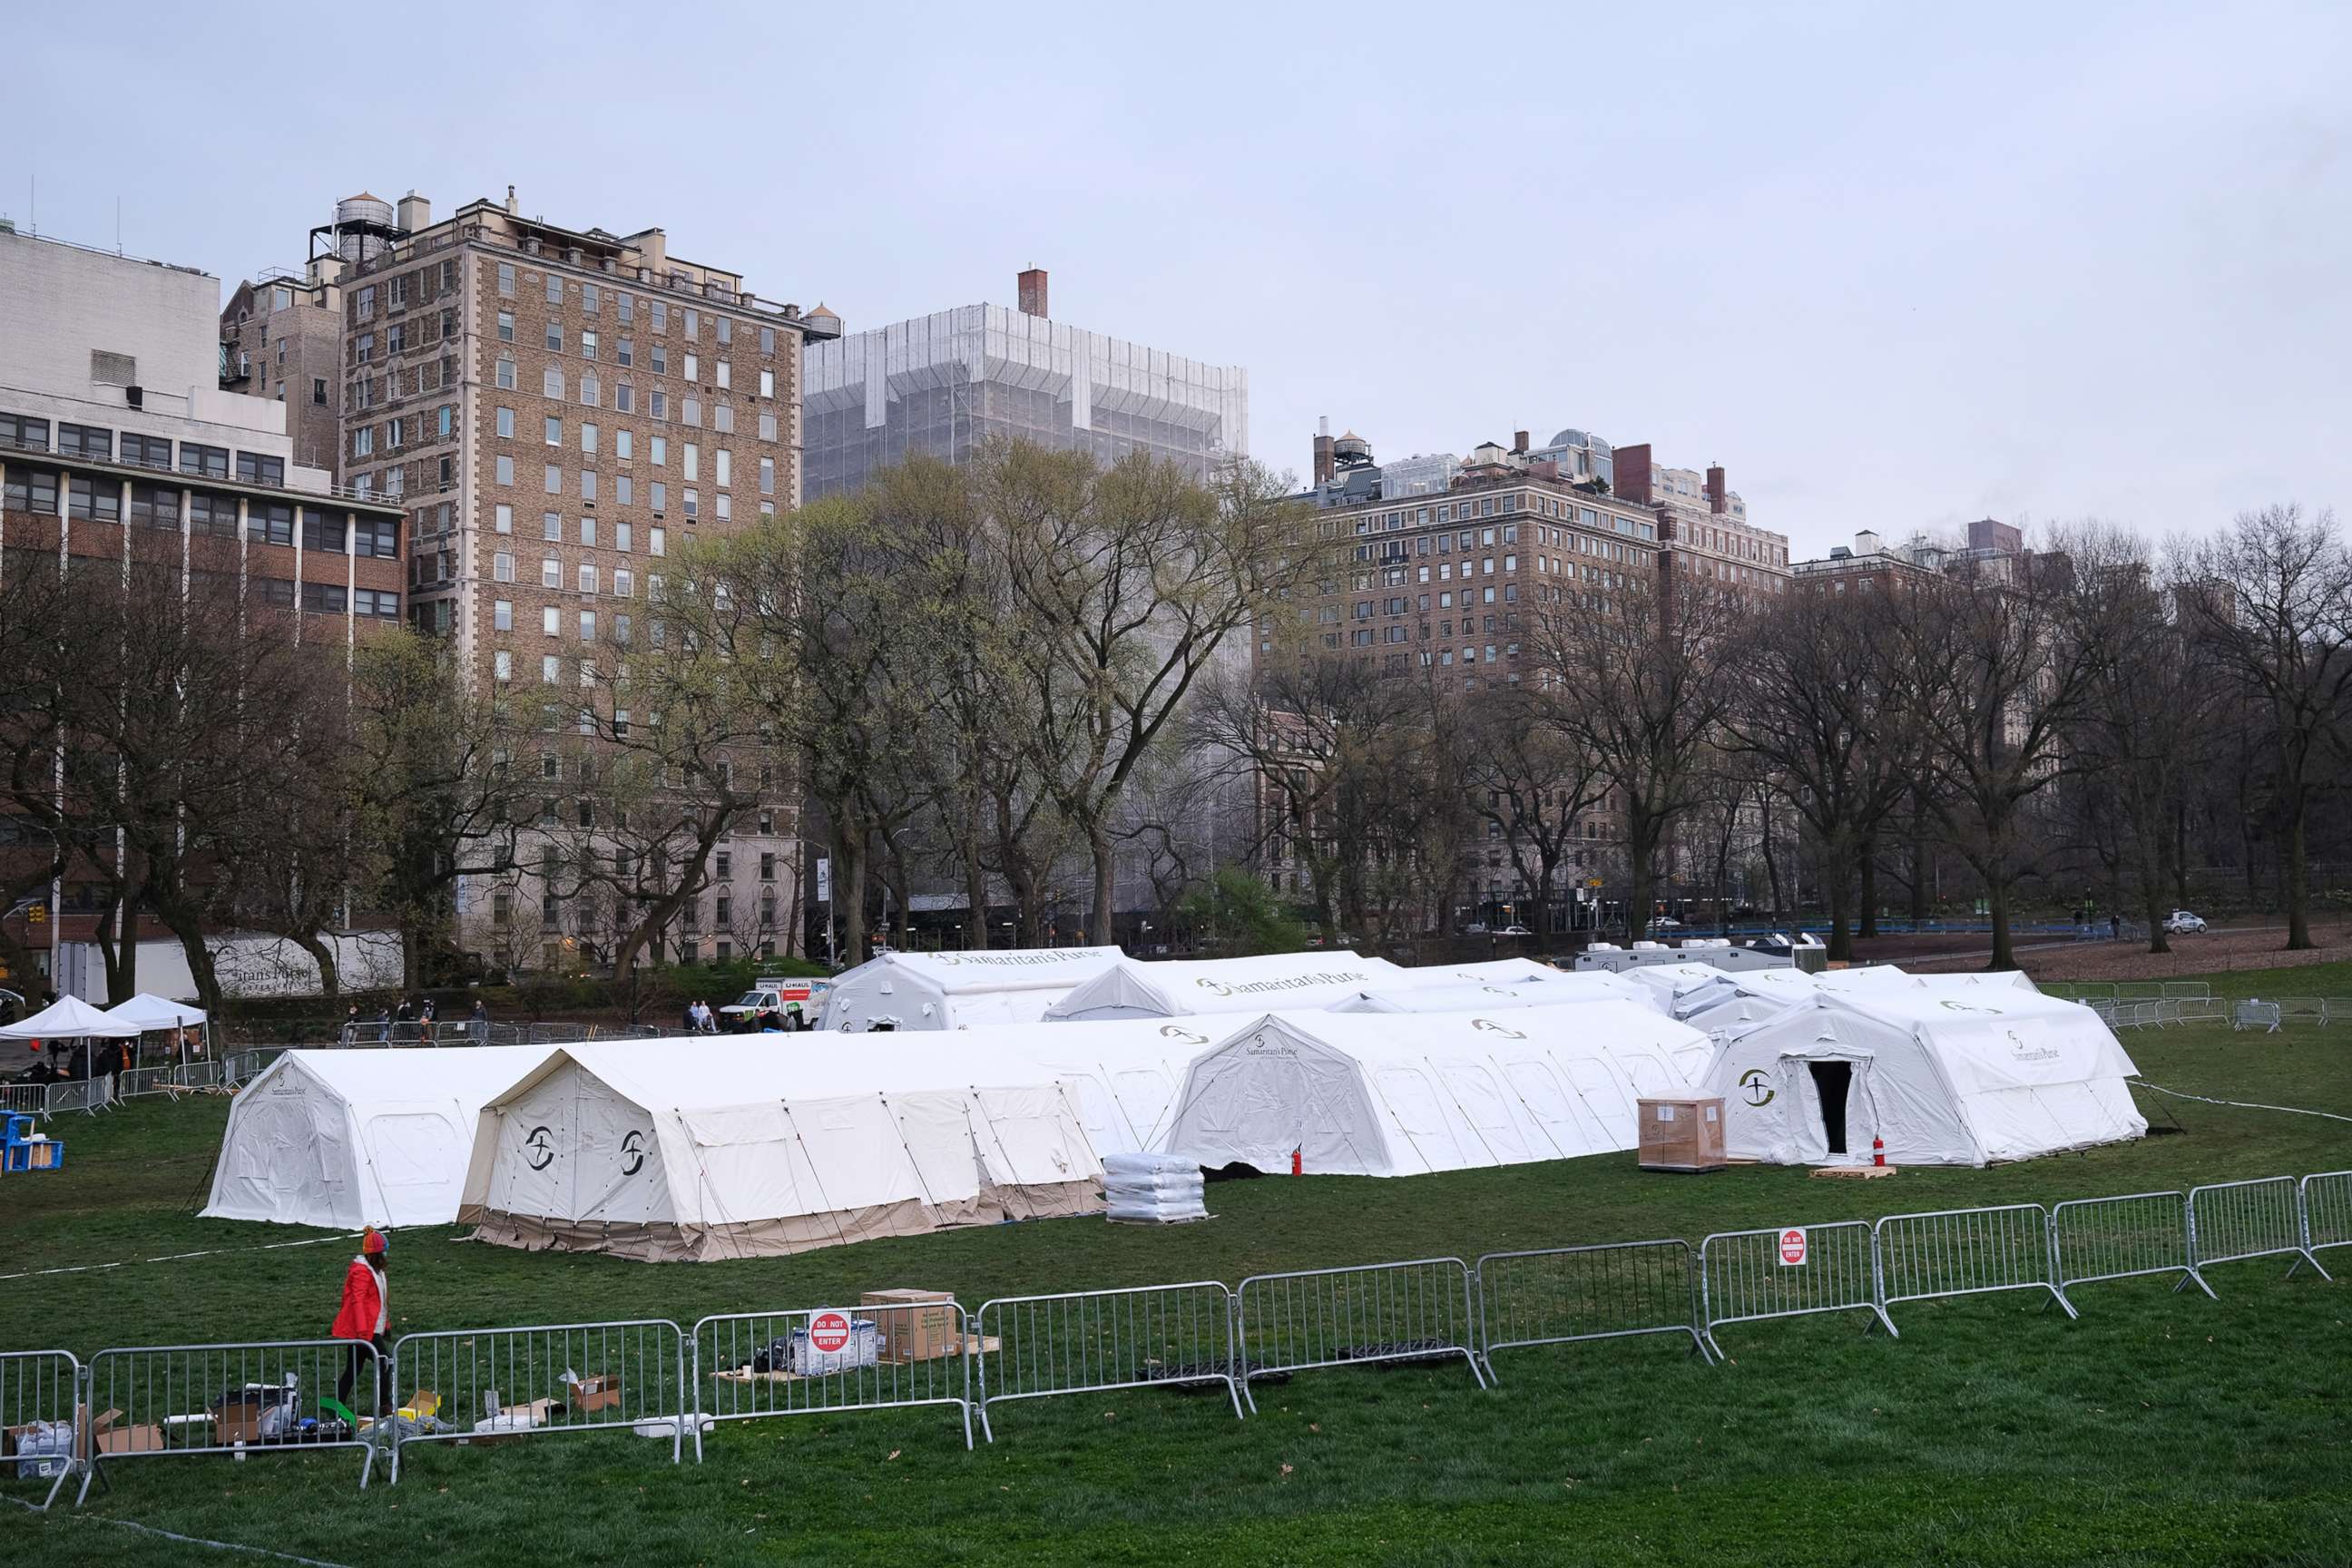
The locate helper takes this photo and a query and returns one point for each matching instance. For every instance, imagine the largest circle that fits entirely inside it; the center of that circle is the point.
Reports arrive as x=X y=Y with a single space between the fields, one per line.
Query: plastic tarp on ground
x=1181 y=989
x=1944 y=1079
x=959 y=990
x=1402 y=1094
x=342 y=1139
x=737 y=1147
x=151 y=1011
x=69 y=1018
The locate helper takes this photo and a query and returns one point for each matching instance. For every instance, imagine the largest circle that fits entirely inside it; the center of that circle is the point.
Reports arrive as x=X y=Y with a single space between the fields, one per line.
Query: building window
x=504 y=469
x=506 y=326
x=554 y=290
x=506 y=424
x=551 y=572
x=502 y=567
x=550 y=382
x=94 y=500
x=505 y=377
x=554 y=481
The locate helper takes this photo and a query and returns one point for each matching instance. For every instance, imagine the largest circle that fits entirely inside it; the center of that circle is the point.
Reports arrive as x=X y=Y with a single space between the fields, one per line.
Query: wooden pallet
x=1856 y=1173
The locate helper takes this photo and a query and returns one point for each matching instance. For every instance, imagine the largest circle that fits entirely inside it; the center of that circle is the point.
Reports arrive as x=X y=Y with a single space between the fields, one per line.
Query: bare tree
x=1534 y=785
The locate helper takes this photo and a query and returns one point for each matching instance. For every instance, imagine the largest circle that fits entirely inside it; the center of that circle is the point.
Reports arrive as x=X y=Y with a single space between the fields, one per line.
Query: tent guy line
x=2240 y=1104
x=178 y=1256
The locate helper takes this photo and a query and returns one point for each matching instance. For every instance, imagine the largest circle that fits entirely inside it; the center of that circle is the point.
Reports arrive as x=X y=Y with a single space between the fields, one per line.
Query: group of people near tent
x=1011 y=1075
x=71 y=1040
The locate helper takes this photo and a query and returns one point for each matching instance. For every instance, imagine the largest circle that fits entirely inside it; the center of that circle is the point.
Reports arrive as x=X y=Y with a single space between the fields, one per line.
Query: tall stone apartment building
x=559 y=411
x=282 y=339
x=118 y=448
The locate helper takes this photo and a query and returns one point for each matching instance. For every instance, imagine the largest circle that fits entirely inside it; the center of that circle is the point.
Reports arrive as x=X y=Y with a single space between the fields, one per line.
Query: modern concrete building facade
x=561 y=410
x=944 y=385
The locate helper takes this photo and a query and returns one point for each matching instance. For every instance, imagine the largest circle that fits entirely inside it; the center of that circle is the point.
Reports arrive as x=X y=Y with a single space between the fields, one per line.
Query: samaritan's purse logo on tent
x=1213 y=986
x=1966 y=1008
x=1178 y=1032
x=1757 y=1086
x=632 y=1152
x=542 y=1146
x=2020 y=1051
x=1491 y=1027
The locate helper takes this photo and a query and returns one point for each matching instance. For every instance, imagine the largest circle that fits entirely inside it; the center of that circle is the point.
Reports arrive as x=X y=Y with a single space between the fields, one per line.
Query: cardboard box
x=237 y=1418
x=916 y=1325
x=602 y=1393
x=1680 y=1134
x=109 y=1438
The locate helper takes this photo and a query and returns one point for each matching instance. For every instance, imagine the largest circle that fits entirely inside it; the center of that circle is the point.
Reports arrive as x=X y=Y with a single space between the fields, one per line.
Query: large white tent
x=1122 y=1075
x=69 y=1018
x=342 y=1137
x=959 y=990
x=1683 y=988
x=1471 y=997
x=735 y=1147
x=151 y=1011
x=1942 y=1079
x=1884 y=976
x=1181 y=989
x=1396 y=1094
x=1748 y=998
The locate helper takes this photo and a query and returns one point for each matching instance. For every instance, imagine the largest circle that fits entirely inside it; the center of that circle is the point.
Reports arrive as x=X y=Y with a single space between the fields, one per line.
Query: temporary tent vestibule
x=1942 y=1079
x=1174 y=990
x=342 y=1139
x=1393 y=1094
x=739 y=1147
x=958 y=990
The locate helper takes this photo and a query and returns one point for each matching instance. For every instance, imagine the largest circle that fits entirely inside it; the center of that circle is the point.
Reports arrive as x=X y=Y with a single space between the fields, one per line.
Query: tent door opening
x=1831 y=1083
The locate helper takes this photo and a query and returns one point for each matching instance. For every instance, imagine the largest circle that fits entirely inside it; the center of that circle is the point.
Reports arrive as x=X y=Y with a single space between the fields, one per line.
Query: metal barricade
x=2301 y=1010
x=142 y=1080
x=1788 y=1271
x=2262 y=1015
x=40 y=1396
x=89 y=1096
x=2326 y=1199
x=2188 y=990
x=1416 y=1311
x=198 y=1075
x=2335 y=1009
x=815 y=1361
x=2139 y=990
x=243 y=1067
x=1965 y=1252
x=1083 y=1342
x=2125 y=1237
x=1561 y=1295
x=2231 y=1221
x=2202 y=1010
x=24 y=1099
x=286 y=1397
x=553 y=1377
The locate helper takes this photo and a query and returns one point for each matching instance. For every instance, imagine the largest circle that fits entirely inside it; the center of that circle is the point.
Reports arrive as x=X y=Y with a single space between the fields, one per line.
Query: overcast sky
x=1893 y=267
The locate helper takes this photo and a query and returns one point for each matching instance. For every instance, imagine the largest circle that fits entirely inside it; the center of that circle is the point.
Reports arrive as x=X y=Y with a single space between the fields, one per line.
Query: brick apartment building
x=117 y=444
x=559 y=411
x=282 y=339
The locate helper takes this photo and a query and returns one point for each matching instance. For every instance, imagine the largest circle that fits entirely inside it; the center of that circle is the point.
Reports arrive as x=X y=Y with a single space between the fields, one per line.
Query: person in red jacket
x=366 y=1315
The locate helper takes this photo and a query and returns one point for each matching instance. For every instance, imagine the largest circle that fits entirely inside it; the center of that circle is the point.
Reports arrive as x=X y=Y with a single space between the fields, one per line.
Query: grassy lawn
x=2160 y=1428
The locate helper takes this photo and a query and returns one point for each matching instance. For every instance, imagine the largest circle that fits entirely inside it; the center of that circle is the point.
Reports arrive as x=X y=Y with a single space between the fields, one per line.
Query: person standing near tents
x=366 y=1317
x=478 y=1024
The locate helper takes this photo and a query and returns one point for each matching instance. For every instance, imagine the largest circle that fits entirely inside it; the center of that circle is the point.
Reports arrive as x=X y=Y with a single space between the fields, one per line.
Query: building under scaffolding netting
x=944 y=385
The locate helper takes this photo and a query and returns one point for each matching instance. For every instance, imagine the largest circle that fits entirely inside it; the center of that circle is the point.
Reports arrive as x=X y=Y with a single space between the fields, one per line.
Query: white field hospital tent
x=1881 y=976
x=1683 y=988
x=1748 y=997
x=1944 y=1080
x=1184 y=989
x=739 y=1147
x=1373 y=1094
x=1467 y=997
x=343 y=1139
x=958 y=990
x=1121 y=1075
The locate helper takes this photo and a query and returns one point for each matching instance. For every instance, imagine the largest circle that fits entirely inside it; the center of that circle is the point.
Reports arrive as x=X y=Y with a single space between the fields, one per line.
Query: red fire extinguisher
x=1879 y=1150
x=1298 y=1161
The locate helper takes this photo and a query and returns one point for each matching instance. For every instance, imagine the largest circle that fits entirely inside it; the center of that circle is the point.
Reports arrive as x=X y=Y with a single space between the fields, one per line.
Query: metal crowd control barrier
x=2262 y=1015
x=2188 y=990
x=89 y=1096
x=1965 y=1252
x=2139 y=990
x=1083 y=1341
x=241 y=1067
x=2230 y=1221
x=1788 y=1271
x=815 y=1360
x=555 y=1377
x=2124 y=1238
x=40 y=1396
x=286 y=1397
x=2335 y=1009
x=24 y=1099
x=143 y=1080
x=2301 y=1010
x=1561 y=1295
x=1372 y=1312
x=2326 y=1199
x=2201 y=1010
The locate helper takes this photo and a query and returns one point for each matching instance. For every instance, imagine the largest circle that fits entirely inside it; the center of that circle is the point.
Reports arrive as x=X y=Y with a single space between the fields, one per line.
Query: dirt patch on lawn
x=2252 y=947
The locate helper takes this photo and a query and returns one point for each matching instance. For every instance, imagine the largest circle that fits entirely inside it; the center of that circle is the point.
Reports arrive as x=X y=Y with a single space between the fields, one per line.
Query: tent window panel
x=415 y=1150
x=1409 y=1096
x=1600 y=1091
x=1482 y=1101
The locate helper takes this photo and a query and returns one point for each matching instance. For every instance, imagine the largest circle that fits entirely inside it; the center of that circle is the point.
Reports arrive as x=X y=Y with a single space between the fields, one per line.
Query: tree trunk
x=330 y=983
x=1838 y=883
x=1106 y=859
x=1866 y=924
x=1771 y=861
x=1640 y=882
x=975 y=877
x=1997 y=899
x=2297 y=882
x=1922 y=875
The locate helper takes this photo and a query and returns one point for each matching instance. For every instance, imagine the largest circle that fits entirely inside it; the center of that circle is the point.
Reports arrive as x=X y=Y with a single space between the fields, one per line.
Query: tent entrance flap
x=1831 y=1083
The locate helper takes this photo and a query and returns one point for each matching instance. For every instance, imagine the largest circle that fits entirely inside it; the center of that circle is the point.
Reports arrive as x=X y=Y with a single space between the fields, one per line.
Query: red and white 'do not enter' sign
x=829 y=1332
x=1792 y=1248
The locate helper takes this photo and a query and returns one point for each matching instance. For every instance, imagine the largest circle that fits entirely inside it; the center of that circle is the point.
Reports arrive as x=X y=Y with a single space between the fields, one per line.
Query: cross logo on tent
x=1759 y=1091
x=1217 y=986
x=1178 y=1032
x=542 y=1151
x=634 y=1146
x=1491 y=1027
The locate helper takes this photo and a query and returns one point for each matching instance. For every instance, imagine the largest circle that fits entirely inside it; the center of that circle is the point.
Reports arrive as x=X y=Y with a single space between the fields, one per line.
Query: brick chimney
x=1326 y=466
x=1520 y=439
x=1633 y=484
x=1716 y=498
x=1031 y=286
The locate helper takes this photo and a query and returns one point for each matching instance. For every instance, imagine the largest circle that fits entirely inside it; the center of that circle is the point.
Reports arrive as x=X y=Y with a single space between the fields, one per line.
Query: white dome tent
x=1398 y=1095
x=1184 y=989
x=1469 y=997
x=957 y=990
x=341 y=1139
x=1942 y=1079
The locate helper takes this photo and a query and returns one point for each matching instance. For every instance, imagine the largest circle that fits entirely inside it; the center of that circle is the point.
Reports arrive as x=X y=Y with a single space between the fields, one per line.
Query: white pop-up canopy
x=153 y=1012
x=1942 y=1079
x=69 y=1018
x=739 y=1147
x=1396 y=1094
x=959 y=990
x=342 y=1139
x=1175 y=989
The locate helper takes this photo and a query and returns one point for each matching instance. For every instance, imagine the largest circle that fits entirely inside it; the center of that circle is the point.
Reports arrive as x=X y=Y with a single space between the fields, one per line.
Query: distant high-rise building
x=281 y=338
x=943 y=385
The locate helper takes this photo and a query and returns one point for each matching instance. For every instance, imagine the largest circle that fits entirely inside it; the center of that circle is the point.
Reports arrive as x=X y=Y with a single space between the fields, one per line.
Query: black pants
x=352 y=1374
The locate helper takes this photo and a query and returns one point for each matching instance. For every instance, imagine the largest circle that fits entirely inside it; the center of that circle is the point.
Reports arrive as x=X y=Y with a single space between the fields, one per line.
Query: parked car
x=1513 y=931
x=2180 y=923
x=1665 y=922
